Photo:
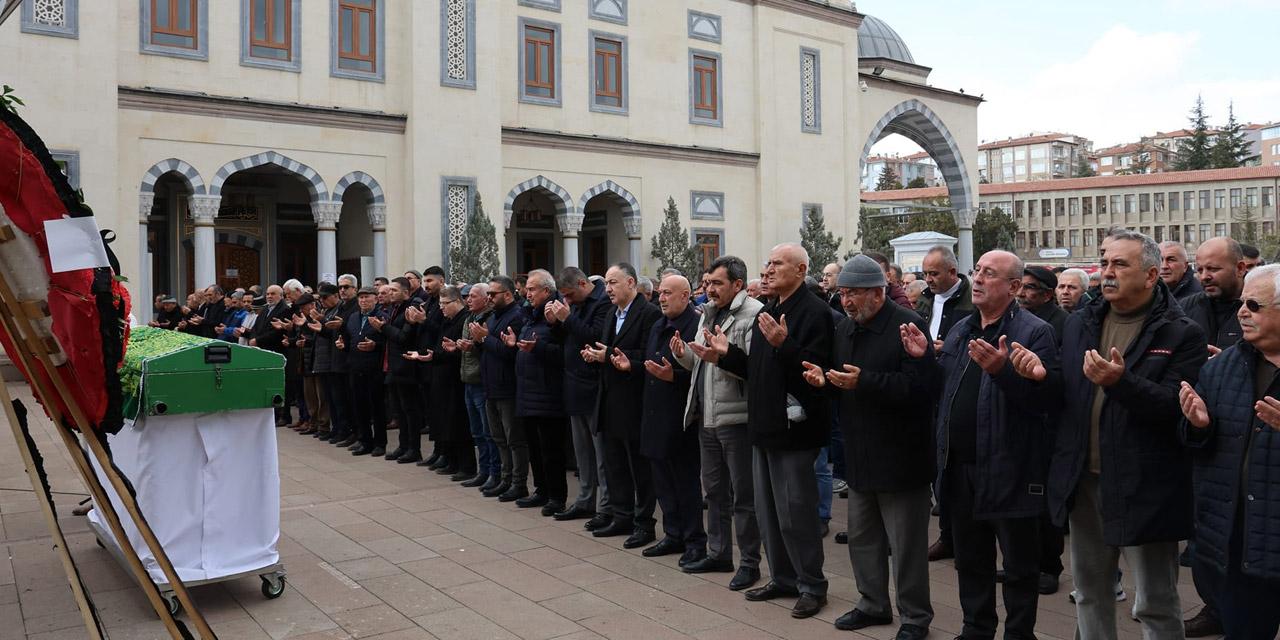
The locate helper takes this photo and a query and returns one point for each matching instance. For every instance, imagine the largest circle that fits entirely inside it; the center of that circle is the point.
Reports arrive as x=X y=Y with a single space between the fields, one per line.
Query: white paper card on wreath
x=74 y=243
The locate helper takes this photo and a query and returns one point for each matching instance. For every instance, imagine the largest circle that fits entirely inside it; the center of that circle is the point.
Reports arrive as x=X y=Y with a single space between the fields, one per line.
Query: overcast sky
x=1109 y=70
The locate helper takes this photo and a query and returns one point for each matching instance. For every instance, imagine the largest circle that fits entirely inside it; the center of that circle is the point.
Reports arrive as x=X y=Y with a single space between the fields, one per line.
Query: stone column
x=634 y=246
x=964 y=220
x=204 y=209
x=142 y=306
x=570 y=226
x=326 y=215
x=378 y=222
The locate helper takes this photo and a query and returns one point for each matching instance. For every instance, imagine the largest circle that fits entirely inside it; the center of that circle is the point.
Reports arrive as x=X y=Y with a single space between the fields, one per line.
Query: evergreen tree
x=475 y=259
x=888 y=180
x=671 y=247
x=917 y=182
x=1195 y=153
x=822 y=245
x=875 y=231
x=1231 y=149
x=1084 y=169
x=1244 y=226
x=992 y=230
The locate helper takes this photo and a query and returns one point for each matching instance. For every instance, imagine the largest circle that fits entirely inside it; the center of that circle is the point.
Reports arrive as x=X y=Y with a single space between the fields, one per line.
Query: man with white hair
x=789 y=422
x=1175 y=270
x=269 y=336
x=1071 y=289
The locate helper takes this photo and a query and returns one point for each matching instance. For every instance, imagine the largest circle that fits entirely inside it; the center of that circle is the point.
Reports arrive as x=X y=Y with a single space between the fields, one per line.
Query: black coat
x=584 y=326
x=1186 y=287
x=540 y=373
x=497 y=360
x=400 y=337
x=1146 y=472
x=621 y=392
x=266 y=336
x=353 y=333
x=449 y=420
x=887 y=420
x=168 y=319
x=773 y=373
x=342 y=312
x=1215 y=316
x=212 y=314
x=1051 y=313
x=955 y=309
x=662 y=429
x=1236 y=437
x=1014 y=425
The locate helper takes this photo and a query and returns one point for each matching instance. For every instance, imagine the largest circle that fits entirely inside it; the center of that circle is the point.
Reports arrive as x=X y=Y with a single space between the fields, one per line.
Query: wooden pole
x=51 y=519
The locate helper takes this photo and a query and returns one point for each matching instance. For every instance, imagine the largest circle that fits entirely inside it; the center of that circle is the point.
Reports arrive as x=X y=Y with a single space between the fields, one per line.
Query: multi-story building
x=1047 y=156
x=1136 y=157
x=907 y=168
x=247 y=142
x=1064 y=221
x=1269 y=146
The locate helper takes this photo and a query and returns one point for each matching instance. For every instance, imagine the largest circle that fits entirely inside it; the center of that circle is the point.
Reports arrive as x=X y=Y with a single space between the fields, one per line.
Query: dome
x=876 y=39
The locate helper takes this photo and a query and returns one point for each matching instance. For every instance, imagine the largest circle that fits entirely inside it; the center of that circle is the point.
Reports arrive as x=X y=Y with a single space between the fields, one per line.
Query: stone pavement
x=394 y=552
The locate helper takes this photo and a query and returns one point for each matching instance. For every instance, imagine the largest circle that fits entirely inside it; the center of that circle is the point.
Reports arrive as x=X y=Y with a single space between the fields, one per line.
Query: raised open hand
x=620 y=360
x=662 y=371
x=1101 y=371
x=914 y=342
x=813 y=375
x=775 y=331
x=847 y=379
x=1026 y=363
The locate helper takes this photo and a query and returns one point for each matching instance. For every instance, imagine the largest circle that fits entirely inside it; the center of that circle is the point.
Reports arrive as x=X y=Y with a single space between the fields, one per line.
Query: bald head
x=788 y=265
x=673 y=295
x=996 y=279
x=1220 y=267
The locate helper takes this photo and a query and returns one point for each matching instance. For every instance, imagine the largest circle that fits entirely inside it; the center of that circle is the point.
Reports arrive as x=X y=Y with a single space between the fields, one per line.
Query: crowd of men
x=1135 y=408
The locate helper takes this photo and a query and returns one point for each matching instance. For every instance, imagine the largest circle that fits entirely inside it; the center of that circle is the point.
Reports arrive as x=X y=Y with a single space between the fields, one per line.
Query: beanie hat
x=861 y=272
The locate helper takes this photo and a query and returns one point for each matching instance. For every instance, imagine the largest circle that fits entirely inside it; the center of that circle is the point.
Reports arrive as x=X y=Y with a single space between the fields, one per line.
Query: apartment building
x=1048 y=156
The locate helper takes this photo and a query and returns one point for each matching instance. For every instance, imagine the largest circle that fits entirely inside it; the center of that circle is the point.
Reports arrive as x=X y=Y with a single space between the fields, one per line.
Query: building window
x=1129 y=202
x=69 y=162
x=1102 y=204
x=1020 y=153
x=1159 y=233
x=810 y=90
x=1100 y=236
x=1058 y=238
x=1019 y=170
x=1268 y=227
x=1115 y=204
x=1175 y=233
x=1020 y=208
x=1204 y=232
x=1219 y=198
x=52 y=17
x=705 y=88
x=1173 y=200
x=709 y=243
x=458 y=43
x=1059 y=206
x=1188 y=201
x=1032 y=239
x=706 y=205
x=457 y=196
x=269 y=29
x=176 y=27
x=1047 y=239
x=1088 y=238
x=1021 y=241
x=1266 y=196
x=549 y=5
x=608 y=10
x=1204 y=199
x=1086 y=203
x=1191 y=234
x=1235 y=198
x=1046 y=208
x=1037 y=167
x=359 y=34
x=1220 y=229
x=1144 y=202
x=1251 y=196
x=539 y=62
x=1075 y=237
x=1158 y=202
x=704 y=26
x=609 y=73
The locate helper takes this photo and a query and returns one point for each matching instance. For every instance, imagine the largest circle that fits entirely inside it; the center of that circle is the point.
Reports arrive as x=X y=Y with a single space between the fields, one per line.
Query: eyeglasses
x=492 y=294
x=345 y=286
x=1254 y=306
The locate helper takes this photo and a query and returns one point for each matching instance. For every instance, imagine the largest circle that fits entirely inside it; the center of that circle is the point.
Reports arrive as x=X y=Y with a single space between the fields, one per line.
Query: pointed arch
x=315 y=184
x=181 y=167
x=363 y=178
x=559 y=196
x=631 y=206
x=916 y=121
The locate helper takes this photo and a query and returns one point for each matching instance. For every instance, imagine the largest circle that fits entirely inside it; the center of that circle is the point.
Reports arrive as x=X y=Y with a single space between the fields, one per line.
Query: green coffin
x=168 y=372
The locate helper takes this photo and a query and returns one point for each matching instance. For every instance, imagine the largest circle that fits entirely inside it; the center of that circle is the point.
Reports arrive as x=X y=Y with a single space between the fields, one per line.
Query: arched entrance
x=610 y=227
x=164 y=203
x=361 y=232
x=540 y=215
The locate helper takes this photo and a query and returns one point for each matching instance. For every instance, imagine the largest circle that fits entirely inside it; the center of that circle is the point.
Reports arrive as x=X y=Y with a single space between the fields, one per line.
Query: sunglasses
x=345 y=286
x=494 y=293
x=1254 y=306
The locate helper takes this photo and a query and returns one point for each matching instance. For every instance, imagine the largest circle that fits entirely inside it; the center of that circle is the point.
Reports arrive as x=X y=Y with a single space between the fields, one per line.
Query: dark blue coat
x=1226 y=384
x=584 y=326
x=1146 y=472
x=621 y=392
x=362 y=362
x=1014 y=427
x=662 y=428
x=540 y=372
x=400 y=340
x=497 y=360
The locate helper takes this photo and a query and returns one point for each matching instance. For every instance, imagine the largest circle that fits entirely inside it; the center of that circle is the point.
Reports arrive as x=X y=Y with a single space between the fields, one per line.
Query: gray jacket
x=724 y=396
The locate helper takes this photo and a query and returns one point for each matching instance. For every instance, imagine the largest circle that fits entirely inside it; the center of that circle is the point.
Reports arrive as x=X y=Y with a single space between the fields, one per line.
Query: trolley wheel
x=98 y=541
x=175 y=607
x=272 y=586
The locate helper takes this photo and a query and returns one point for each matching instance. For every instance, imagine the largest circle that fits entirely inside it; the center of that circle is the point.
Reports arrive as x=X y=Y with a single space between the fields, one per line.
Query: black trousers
x=627 y=474
x=368 y=408
x=677 y=483
x=1246 y=604
x=975 y=546
x=547 y=436
x=337 y=393
x=1052 y=544
x=406 y=405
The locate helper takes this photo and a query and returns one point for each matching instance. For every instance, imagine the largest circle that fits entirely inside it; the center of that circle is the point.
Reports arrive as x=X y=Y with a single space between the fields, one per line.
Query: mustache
x=1110 y=282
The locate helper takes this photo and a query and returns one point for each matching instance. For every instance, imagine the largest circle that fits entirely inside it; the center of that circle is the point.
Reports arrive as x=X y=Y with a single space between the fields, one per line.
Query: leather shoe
x=598 y=521
x=378 y=452
x=529 y=502
x=513 y=493
x=1204 y=623
x=435 y=455
x=551 y=508
x=1048 y=584
x=477 y=481
x=355 y=444
x=440 y=463
x=497 y=489
x=709 y=564
x=638 y=538
x=667 y=546
x=808 y=605
x=769 y=592
x=613 y=529
x=447 y=470
x=911 y=632
x=573 y=513
x=395 y=454
x=348 y=441
x=824 y=529
x=842 y=537
x=691 y=556
x=409 y=458
x=745 y=577
x=361 y=451
x=941 y=550
x=858 y=619
x=462 y=475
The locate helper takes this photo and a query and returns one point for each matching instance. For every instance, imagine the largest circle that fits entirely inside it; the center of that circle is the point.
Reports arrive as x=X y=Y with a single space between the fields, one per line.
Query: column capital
x=204 y=208
x=378 y=216
x=965 y=217
x=146 y=200
x=570 y=223
x=326 y=214
x=632 y=225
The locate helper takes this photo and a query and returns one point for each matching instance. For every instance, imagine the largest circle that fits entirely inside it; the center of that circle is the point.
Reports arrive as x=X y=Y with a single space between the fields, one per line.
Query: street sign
x=1055 y=253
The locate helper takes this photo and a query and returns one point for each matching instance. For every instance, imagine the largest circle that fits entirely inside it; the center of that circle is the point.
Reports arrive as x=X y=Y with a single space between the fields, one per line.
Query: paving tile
x=459 y=549
x=645 y=571
x=400 y=549
x=463 y=624
x=580 y=606
x=371 y=621
x=631 y=626
x=491 y=535
x=409 y=595
x=512 y=611
x=441 y=573
x=544 y=558
x=659 y=606
x=362 y=568
x=523 y=579
x=363 y=532
x=582 y=574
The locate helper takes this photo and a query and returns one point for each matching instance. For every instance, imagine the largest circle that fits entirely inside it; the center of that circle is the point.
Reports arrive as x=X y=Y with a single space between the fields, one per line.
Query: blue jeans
x=823 y=470
x=487 y=462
